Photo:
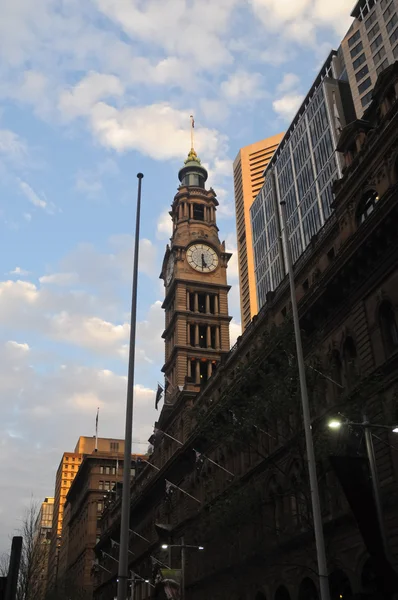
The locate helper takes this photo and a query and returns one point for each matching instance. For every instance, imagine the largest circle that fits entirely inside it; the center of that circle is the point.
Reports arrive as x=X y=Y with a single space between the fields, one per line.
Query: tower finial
x=192 y=132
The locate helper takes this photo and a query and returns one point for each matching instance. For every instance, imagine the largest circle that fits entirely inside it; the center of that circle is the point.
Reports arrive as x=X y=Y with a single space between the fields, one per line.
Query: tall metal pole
x=375 y=481
x=182 y=568
x=123 y=574
x=316 y=505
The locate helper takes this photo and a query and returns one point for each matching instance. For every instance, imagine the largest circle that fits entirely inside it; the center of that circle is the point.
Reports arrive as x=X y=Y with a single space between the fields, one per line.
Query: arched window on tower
x=388 y=326
x=350 y=361
x=366 y=206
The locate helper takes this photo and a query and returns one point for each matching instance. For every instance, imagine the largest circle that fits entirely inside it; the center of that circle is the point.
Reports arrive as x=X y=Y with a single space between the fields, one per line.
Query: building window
x=101 y=485
x=115 y=446
x=199 y=212
x=355 y=51
x=364 y=85
x=381 y=67
x=376 y=43
x=394 y=37
x=388 y=12
x=379 y=55
x=375 y=29
x=371 y=19
x=101 y=470
x=361 y=73
x=358 y=61
x=388 y=326
x=107 y=470
x=395 y=52
x=100 y=507
x=392 y=23
x=354 y=38
x=366 y=206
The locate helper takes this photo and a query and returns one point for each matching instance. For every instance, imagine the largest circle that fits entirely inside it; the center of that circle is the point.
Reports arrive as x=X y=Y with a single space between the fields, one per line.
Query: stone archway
x=307 y=590
x=282 y=593
x=340 y=586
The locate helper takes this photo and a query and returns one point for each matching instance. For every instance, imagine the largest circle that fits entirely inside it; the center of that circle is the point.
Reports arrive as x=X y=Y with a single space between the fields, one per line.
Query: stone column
x=188 y=334
x=180 y=211
x=208 y=337
x=196 y=303
x=196 y=335
x=187 y=300
x=197 y=372
x=185 y=209
x=189 y=372
x=191 y=211
x=218 y=338
x=207 y=303
x=209 y=369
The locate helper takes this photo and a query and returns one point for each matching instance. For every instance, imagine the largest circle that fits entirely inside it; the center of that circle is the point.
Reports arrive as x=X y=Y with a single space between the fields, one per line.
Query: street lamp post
x=309 y=443
x=370 y=451
x=122 y=585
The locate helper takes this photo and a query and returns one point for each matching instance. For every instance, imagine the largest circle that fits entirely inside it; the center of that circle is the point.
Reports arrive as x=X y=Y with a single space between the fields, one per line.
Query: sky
x=92 y=92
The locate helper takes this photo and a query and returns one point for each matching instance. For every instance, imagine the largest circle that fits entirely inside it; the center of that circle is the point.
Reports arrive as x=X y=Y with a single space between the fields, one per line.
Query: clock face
x=169 y=269
x=202 y=258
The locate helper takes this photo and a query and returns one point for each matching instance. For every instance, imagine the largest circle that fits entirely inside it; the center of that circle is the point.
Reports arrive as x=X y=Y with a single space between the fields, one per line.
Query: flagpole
x=96 y=431
x=192 y=128
x=123 y=572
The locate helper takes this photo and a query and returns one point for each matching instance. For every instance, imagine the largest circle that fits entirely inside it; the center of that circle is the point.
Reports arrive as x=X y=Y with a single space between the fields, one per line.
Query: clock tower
x=194 y=272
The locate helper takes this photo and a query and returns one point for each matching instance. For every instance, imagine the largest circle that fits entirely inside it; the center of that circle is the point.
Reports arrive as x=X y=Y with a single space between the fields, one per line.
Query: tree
x=34 y=557
x=4 y=563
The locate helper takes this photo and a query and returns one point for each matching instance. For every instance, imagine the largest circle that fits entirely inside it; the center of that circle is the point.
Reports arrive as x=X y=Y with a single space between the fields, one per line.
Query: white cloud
x=19 y=271
x=79 y=100
x=17 y=348
x=31 y=195
x=59 y=279
x=156 y=130
x=191 y=31
x=164 y=227
x=243 y=86
x=298 y=21
x=12 y=145
x=235 y=330
x=290 y=81
x=287 y=106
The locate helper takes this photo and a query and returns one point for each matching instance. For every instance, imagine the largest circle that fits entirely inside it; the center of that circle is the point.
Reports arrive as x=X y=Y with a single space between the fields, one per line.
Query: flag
x=199 y=461
x=192 y=122
x=156 y=437
x=159 y=393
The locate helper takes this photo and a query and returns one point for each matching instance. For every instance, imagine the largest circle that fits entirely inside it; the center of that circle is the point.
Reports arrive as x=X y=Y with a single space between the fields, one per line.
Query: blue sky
x=91 y=93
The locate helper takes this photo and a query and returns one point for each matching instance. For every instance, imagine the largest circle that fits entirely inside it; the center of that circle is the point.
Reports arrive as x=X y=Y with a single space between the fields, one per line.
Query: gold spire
x=192 y=154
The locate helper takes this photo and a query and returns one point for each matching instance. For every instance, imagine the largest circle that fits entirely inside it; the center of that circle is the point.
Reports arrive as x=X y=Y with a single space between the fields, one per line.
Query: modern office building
x=41 y=548
x=249 y=168
x=65 y=475
x=301 y=173
x=370 y=45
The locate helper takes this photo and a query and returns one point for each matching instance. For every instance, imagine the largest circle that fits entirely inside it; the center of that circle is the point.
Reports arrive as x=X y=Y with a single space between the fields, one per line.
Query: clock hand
x=204 y=265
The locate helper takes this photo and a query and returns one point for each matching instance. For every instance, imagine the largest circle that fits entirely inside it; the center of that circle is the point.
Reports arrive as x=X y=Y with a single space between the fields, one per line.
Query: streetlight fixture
x=183 y=547
x=367 y=427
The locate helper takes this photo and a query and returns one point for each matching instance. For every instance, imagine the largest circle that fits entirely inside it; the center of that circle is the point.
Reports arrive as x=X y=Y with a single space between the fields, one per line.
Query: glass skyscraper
x=301 y=174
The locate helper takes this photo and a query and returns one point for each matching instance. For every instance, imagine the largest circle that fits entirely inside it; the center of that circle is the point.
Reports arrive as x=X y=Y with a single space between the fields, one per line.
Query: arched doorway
x=282 y=593
x=340 y=587
x=307 y=590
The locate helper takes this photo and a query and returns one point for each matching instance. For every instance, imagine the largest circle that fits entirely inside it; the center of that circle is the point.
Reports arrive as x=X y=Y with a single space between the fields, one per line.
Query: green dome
x=193 y=173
